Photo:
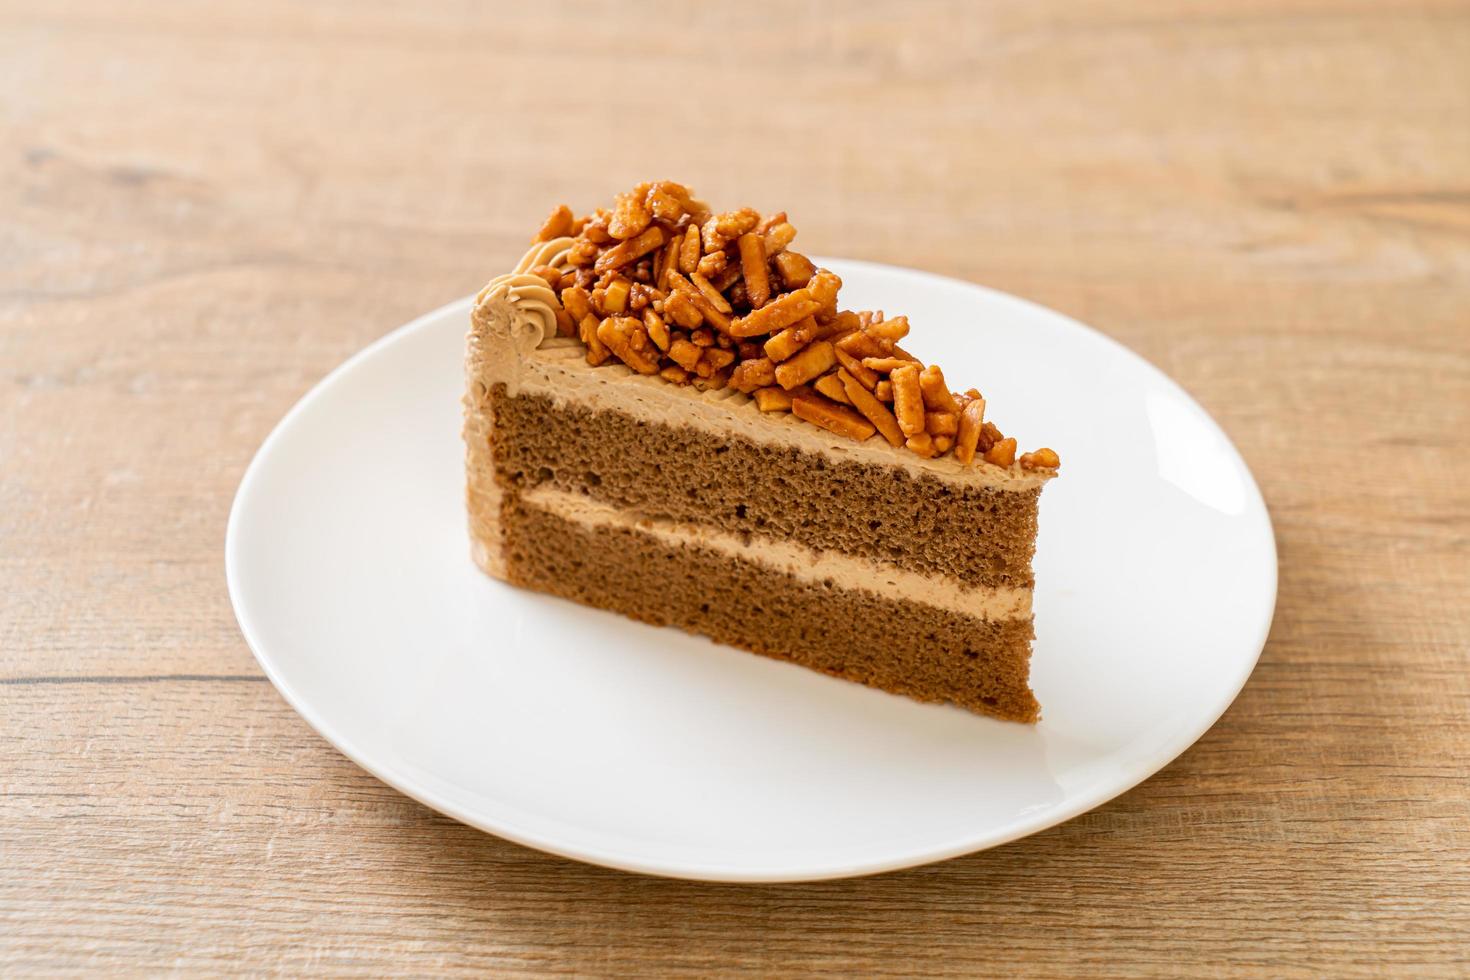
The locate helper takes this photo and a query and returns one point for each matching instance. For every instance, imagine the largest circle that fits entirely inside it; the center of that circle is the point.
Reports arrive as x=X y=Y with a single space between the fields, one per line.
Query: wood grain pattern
x=203 y=208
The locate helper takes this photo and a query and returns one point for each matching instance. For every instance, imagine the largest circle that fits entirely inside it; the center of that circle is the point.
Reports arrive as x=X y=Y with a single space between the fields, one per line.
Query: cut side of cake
x=731 y=453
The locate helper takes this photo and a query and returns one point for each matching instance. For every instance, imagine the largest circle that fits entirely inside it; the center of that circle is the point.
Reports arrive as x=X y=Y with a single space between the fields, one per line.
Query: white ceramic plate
x=591 y=736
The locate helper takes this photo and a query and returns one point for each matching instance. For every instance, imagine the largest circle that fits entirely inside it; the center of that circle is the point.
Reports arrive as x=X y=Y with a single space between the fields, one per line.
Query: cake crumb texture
x=904 y=648
x=980 y=535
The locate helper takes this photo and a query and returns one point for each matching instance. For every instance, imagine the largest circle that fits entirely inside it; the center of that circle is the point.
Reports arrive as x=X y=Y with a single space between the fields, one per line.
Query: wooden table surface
x=205 y=207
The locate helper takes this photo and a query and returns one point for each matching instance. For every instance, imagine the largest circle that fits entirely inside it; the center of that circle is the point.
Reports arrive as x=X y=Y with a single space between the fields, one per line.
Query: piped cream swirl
x=552 y=253
x=519 y=309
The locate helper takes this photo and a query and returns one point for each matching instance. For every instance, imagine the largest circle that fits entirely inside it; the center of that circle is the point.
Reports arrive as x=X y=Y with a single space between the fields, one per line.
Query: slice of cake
x=669 y=415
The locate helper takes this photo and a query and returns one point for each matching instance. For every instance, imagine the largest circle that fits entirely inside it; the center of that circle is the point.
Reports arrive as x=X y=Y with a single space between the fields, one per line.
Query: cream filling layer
x=844 y=571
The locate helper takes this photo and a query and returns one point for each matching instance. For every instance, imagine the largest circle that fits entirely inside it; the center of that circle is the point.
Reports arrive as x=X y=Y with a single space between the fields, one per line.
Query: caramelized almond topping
x=831 y=416
x=921 y=445
x=874 y=410
x=558 y=224
x=776 y=315
x=773 y=400
x=972 y=416
x=1003 y=453
x=671 y=288
x=814 y=360
x=629 y=217
x=658 y=331
x=756 y=269
x=908 y=402
x=831 y=386
x=792 y=339
x=624 y=336
x=752 y=374
x=795 y=269
x=1042 y=459
x=941 y=423
x=597 y=353
x=868 y=379
x=936 y=393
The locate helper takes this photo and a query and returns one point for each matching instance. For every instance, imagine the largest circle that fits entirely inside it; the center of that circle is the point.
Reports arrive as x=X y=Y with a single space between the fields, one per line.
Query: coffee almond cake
x=669 y=415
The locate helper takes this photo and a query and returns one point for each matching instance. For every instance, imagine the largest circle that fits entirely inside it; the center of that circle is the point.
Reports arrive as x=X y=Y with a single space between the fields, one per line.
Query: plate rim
x=1019 y=827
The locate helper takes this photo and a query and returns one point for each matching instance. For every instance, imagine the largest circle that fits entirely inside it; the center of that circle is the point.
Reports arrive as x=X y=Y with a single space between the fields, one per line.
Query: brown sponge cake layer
x=980 y=535
x=903 y=647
